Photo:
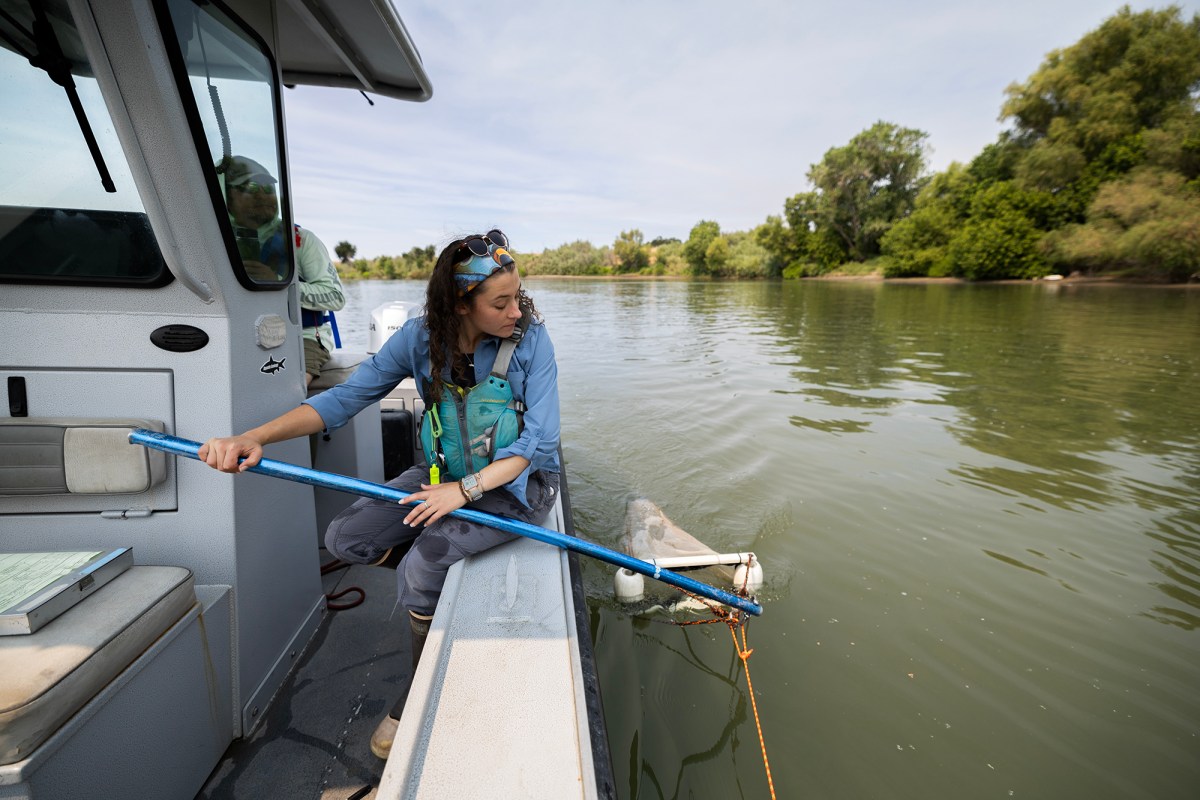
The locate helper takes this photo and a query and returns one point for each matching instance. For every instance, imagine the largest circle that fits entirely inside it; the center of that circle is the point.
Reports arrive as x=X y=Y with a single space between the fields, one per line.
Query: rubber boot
x=385 y=731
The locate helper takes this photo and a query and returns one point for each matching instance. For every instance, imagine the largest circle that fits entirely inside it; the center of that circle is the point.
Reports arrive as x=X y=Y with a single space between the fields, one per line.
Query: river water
x=978 y=508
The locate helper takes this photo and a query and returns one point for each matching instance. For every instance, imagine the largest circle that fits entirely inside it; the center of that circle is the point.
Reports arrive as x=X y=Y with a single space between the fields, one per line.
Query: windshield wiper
x=49 y=58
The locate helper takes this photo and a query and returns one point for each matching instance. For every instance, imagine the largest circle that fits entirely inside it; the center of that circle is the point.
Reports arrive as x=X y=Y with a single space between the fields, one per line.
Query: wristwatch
x=472 y=487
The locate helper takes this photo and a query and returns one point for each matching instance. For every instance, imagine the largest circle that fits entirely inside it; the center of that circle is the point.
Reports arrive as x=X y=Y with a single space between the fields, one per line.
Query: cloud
x=561 y=121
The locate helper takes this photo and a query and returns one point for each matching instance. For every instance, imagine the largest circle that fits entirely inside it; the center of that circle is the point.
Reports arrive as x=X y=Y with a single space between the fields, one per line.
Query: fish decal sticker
x=272 y=366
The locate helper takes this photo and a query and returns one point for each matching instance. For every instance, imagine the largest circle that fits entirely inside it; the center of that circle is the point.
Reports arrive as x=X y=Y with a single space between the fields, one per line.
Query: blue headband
x=476 y=269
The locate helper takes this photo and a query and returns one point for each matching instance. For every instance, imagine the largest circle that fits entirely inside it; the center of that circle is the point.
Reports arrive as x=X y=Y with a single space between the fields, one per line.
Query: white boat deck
x=498 y=706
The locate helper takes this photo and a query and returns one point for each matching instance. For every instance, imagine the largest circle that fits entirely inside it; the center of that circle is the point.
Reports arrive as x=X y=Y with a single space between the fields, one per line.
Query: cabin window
x=69 y=212
x=229 y=84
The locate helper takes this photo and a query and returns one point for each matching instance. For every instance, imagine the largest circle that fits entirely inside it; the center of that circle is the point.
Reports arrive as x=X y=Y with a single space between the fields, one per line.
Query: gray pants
x=363 y=532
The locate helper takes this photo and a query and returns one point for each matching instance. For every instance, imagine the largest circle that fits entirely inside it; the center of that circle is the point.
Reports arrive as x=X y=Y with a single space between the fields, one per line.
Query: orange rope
x=744 y=654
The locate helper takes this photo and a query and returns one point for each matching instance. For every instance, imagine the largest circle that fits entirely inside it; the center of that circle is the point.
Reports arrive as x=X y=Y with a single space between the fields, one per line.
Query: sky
x=561 y=121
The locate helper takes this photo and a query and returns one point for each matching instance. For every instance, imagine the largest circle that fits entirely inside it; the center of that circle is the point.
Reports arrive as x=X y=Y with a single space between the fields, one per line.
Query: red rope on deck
x=334 y=566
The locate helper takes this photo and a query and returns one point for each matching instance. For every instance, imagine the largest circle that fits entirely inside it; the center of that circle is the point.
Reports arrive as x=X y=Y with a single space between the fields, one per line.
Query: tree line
x=1098 y=172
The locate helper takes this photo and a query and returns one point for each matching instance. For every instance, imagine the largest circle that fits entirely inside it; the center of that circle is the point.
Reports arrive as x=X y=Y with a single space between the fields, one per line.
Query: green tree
x=695 y=249
x=789 y=240
x=747 y=258
x=716 y=257
x=345 y=251
x=778 y=243
x=1176 y=146
x=417 y=262
x=386 y=267
x=1137 y=70
x=867 y=185
x=1050 y=166
x=918 y=245
x=998 y=161
x=631 y=254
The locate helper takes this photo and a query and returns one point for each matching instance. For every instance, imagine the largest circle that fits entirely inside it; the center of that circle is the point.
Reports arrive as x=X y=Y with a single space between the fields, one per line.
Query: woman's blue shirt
x=532 y=372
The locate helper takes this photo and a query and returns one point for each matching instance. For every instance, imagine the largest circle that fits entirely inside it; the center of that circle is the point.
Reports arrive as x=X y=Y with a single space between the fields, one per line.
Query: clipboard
x=37 y=587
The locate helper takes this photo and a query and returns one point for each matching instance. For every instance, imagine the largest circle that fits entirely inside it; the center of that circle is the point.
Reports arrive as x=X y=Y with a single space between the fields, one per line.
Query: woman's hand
x=223 y=453
x=436 y=502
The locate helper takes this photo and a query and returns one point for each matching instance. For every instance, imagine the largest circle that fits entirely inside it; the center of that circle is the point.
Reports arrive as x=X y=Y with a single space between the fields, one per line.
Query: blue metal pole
x=342 y=483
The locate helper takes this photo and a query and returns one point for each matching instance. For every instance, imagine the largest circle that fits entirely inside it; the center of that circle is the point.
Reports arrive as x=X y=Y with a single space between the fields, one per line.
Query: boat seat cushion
x=51 y=674
x=337 y=369
x=52 y=455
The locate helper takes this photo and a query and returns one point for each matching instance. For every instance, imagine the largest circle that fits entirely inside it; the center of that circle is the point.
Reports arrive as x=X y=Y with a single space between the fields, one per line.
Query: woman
x=476 y=316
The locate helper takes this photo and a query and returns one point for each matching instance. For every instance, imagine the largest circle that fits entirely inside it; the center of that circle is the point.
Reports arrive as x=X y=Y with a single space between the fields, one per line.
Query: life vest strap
x=507 y=348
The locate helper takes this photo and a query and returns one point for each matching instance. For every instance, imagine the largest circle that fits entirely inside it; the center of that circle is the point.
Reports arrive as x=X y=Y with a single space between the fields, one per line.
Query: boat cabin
x=131 y=297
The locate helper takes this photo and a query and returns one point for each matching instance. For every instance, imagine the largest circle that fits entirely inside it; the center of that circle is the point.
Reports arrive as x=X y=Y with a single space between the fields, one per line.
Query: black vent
x=179 y=338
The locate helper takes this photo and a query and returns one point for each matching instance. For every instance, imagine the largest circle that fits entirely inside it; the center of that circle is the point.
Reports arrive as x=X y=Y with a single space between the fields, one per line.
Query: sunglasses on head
x=478 y=245
x=250 y=187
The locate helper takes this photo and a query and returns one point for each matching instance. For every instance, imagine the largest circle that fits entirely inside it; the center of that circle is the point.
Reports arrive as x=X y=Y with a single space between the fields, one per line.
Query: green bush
x=747 y=258
x=574 y=258
x=802 y=269
x=1004 y=245
x=917 y=244
x=1147 y=223
x=667 y=258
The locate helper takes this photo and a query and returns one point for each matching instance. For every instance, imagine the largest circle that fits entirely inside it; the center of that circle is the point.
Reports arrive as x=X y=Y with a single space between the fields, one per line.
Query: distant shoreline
x=875 y=277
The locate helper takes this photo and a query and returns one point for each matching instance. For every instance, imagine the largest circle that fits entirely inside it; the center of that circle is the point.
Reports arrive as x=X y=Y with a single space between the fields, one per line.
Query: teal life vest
x=461 y=432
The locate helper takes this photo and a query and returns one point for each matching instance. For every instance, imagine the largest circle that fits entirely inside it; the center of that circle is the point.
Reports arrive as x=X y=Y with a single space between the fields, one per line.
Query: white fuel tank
x=387 y=319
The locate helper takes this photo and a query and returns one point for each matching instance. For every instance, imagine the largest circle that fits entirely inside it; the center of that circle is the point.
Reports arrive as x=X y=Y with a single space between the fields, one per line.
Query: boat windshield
x=69 y=211
x=227 y=73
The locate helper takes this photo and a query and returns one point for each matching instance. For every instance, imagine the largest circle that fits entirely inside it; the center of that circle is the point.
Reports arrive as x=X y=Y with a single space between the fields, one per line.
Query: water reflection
x=680 y=670
x=834 y=426
x=728 y=679
x=1051 y=391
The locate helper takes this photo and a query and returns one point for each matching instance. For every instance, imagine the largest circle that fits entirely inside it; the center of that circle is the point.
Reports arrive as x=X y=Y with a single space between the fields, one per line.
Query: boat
x=195 y=646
